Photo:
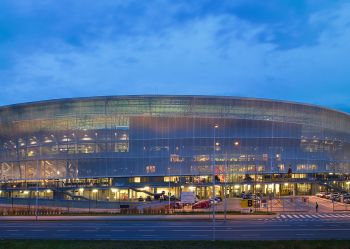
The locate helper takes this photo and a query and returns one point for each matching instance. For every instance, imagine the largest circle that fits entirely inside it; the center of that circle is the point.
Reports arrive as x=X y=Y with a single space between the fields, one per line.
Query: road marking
x=62 y=230
x=267 y=229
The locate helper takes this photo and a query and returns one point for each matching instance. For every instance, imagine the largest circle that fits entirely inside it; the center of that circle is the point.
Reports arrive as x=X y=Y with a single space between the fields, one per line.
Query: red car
x=201 y=204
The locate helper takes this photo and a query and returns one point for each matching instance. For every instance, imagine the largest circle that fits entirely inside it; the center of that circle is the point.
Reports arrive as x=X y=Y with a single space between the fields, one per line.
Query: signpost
x=247 y=206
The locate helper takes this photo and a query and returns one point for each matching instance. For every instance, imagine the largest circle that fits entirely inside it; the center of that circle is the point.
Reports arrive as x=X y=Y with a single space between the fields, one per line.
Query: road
x=266 y=229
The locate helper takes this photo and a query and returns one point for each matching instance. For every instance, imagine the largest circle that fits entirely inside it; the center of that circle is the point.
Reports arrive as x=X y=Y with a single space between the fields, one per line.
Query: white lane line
x=283 y=216
x=296 y=216
x=37 y=230
x=289 y=216
x=63 y=230
x=146 y=230
x=13 y=230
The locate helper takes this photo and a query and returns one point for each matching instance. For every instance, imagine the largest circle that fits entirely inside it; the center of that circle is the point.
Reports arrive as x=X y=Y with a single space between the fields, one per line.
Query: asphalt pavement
x=251 y=229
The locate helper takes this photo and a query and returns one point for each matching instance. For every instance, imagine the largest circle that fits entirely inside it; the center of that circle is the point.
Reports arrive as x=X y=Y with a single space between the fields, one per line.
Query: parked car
x=218 y=198
x=213 y=201
x=346 y=200
x=141 y=198
x=335 y=197
x=321 y=194
x=176 y=205
x=148 y=198
x=202 y=204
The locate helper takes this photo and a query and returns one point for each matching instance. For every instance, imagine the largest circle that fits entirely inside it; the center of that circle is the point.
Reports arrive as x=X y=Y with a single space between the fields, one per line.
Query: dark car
x=218 y=199
x=346 y=200
x=176 y=205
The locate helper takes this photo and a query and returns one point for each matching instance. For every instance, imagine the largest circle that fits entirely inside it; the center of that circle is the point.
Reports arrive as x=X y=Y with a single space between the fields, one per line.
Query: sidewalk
x=135 y=217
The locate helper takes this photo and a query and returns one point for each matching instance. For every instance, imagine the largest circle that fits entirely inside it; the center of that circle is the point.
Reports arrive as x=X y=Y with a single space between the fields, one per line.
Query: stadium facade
x=121 y=147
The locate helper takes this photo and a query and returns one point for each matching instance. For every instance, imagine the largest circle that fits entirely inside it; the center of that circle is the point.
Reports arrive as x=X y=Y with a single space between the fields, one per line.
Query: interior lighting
x=94 y=191
x=47 y=140
x=48 y=191
x=236 y=143
x=81 y=190
x=114 y=190
x=192 y=188
x=86 y=138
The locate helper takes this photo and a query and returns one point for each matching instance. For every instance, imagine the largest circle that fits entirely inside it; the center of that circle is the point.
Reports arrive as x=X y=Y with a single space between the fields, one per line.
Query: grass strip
x=70 y=244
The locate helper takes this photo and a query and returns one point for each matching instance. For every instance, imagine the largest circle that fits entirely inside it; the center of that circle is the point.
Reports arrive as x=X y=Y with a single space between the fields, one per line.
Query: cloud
x=167 y=49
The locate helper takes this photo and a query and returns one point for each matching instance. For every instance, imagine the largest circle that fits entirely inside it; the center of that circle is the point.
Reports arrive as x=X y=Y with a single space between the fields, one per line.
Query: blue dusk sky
x=289 y=49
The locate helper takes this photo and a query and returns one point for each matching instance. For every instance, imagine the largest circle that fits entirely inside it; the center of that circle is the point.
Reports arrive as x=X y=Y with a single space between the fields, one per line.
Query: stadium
x=126 y=147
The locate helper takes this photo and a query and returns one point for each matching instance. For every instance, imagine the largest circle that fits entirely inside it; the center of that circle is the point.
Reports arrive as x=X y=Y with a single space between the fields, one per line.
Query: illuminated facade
x=127 y=143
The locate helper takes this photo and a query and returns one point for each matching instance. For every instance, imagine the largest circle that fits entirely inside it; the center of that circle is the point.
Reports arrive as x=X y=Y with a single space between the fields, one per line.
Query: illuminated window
x=280 y=167
x=174 y=158
x=150 y=169
x=201 y=158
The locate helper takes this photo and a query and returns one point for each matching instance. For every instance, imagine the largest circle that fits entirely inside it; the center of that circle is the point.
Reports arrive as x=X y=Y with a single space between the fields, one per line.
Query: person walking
x=316 y=207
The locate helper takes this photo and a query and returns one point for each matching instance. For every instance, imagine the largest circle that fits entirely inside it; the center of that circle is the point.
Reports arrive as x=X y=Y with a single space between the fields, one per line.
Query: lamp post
x=225 y=188
x=213 y=176
x=169 y=189
x=37 y=191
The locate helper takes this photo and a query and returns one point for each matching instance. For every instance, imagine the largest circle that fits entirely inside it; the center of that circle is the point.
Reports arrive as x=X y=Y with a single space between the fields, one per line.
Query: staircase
x=331 y=186
x=74 y=197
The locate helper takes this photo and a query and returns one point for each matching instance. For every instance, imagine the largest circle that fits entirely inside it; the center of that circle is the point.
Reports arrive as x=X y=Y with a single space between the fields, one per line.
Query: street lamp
x=169 y=189
x=37 y=191
x=216 y=126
